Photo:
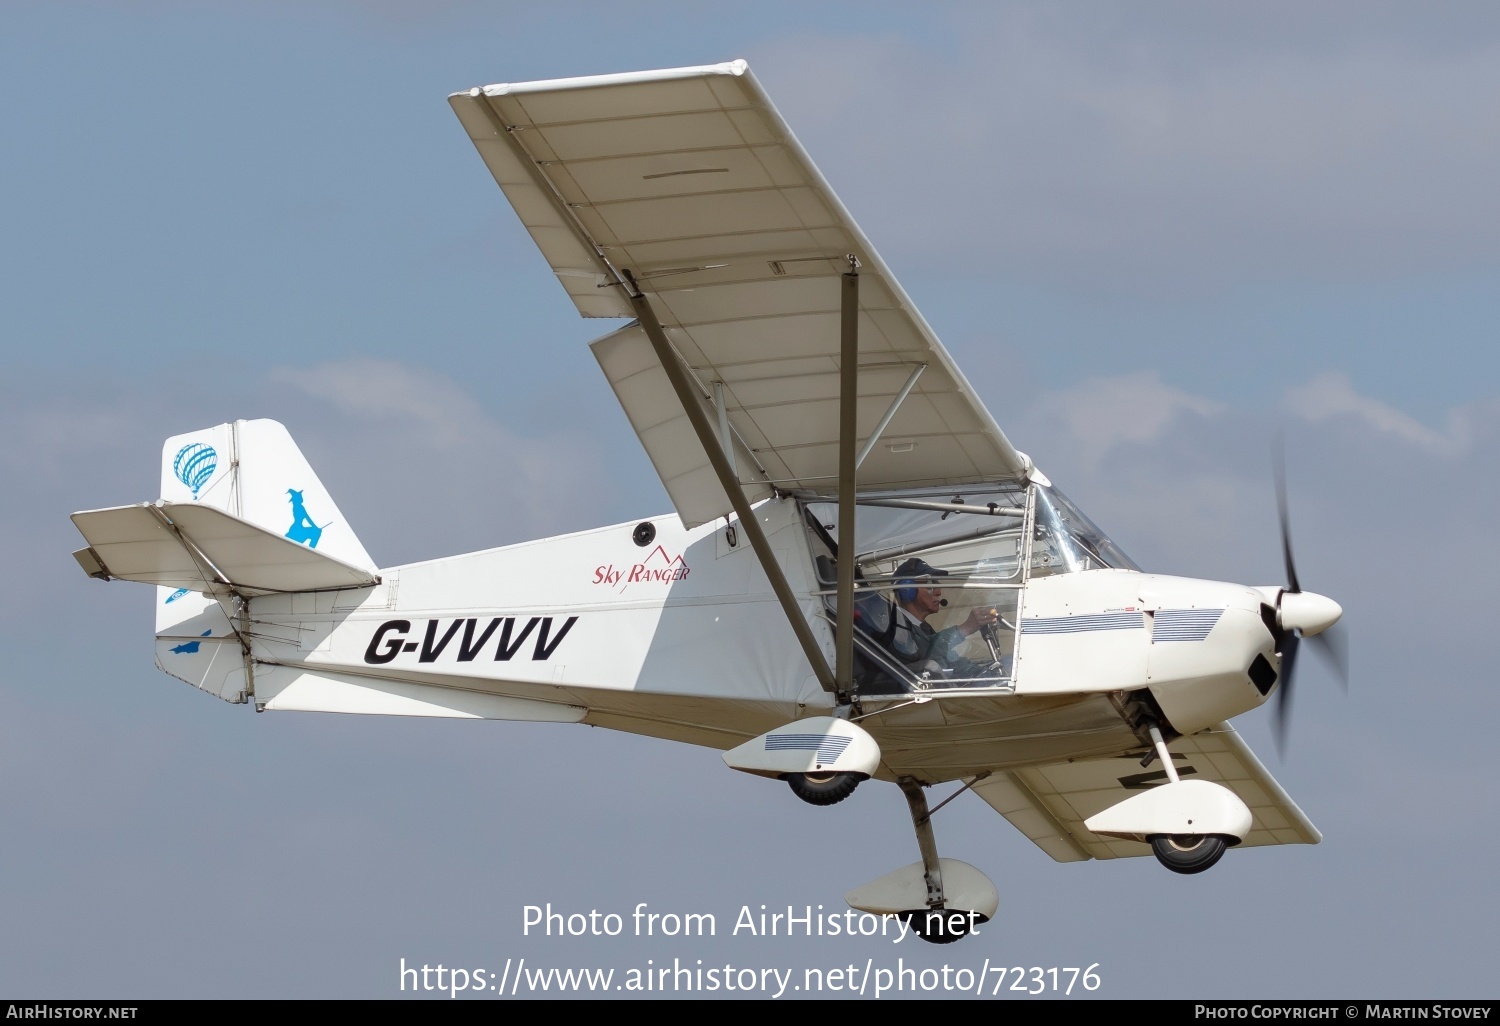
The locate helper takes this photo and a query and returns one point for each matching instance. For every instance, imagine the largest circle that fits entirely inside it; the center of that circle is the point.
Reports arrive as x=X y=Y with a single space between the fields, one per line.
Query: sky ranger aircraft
x=863 y=578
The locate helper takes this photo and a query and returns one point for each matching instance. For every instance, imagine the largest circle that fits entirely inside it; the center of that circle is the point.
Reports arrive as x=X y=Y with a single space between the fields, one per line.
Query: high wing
x=689 y=180
x=1049 y=803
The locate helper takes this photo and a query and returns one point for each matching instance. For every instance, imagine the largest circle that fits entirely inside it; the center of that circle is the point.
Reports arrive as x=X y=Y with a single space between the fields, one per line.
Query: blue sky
x=1151 y=234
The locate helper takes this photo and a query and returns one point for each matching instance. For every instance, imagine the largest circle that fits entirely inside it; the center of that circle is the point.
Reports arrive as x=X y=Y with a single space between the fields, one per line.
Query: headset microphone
x=943 y=603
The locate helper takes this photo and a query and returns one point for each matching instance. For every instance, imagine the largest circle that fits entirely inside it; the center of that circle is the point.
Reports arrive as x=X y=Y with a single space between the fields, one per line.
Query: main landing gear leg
x=935 y=923
x=921 y=818
x=940 y=900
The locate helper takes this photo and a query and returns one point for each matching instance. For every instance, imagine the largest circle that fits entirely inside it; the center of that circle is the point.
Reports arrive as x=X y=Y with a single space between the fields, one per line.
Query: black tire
x=823 y=788
x=1188 y=853
x=939 y=926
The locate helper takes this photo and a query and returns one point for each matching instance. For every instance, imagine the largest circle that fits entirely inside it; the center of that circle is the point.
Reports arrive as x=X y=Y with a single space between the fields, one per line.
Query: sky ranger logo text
x=657 y=568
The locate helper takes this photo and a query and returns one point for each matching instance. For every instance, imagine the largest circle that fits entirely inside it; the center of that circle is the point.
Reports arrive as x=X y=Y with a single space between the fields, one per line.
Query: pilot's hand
x=984 y=616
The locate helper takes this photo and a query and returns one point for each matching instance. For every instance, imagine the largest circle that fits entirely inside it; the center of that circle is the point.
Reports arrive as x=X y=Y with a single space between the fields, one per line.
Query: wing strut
x=890 y=413
x=705 y=432
x=843 y=643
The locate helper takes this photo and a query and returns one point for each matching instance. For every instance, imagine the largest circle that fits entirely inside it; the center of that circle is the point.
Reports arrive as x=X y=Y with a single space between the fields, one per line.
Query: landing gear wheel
x=822 y=788
x=941 y=925
x=1188 y=853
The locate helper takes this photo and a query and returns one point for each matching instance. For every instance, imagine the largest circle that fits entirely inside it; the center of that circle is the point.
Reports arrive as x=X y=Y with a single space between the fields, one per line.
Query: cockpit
x=939 y=577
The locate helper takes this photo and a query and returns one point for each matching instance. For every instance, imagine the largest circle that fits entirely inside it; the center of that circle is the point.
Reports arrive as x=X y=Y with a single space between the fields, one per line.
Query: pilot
x=934 y=653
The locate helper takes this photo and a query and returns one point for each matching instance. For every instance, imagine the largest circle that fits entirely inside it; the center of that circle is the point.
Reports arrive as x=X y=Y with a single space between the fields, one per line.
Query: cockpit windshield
x=1066 y=541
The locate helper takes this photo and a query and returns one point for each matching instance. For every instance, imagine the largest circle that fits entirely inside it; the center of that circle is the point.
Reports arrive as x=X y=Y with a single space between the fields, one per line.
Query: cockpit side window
x=938 y=578
x=936 y=589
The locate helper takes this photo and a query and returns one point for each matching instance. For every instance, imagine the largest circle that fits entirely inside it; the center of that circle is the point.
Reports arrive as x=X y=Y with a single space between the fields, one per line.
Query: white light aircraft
x=862 y=579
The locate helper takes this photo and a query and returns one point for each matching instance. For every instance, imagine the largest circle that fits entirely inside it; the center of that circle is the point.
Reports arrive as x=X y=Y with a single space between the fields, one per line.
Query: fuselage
x=682 y=637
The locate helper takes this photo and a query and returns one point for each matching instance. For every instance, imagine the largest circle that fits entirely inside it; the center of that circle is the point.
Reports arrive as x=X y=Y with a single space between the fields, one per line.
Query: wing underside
x=1050 y=803
x=690 y=180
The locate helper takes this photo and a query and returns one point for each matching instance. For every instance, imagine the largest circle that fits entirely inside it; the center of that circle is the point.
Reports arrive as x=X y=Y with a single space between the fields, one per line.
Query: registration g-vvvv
x=863 y=577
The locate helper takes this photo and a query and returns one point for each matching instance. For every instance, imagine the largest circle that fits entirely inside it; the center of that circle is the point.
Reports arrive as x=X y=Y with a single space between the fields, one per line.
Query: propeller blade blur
x=1284 y=693
x=1333 y=646
x=1278 y=452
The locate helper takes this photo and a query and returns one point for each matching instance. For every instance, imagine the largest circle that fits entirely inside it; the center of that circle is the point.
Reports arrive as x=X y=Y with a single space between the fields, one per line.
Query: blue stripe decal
x=1077 y=624
x=828 y=747
x=1185 y=624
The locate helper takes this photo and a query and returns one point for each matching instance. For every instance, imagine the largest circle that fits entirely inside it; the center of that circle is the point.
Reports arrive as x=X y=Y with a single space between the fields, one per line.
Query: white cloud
x=452 y=477
x=370 y=389
x=1102 y=414
x=1332 y=395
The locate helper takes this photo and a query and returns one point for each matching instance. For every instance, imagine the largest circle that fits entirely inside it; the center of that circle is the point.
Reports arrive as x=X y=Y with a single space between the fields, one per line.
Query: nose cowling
x=1307 y=612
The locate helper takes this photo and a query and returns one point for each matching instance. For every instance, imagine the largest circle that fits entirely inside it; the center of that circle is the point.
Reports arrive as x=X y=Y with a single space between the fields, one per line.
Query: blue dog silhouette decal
x=303 y=531
x=190 y=647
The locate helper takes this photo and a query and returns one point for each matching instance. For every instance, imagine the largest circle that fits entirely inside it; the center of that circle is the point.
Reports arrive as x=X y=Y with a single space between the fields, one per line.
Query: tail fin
x=250 y=469
x=253 y=470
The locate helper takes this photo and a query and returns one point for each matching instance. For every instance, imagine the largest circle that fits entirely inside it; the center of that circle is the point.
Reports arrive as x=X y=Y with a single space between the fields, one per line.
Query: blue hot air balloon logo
x=194 y=465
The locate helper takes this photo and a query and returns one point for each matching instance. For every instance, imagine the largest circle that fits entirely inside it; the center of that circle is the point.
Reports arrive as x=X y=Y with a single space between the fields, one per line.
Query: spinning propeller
x=1301 y=614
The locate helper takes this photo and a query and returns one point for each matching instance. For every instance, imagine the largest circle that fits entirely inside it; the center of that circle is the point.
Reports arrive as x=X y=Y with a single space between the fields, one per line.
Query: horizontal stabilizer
x=200 y=548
